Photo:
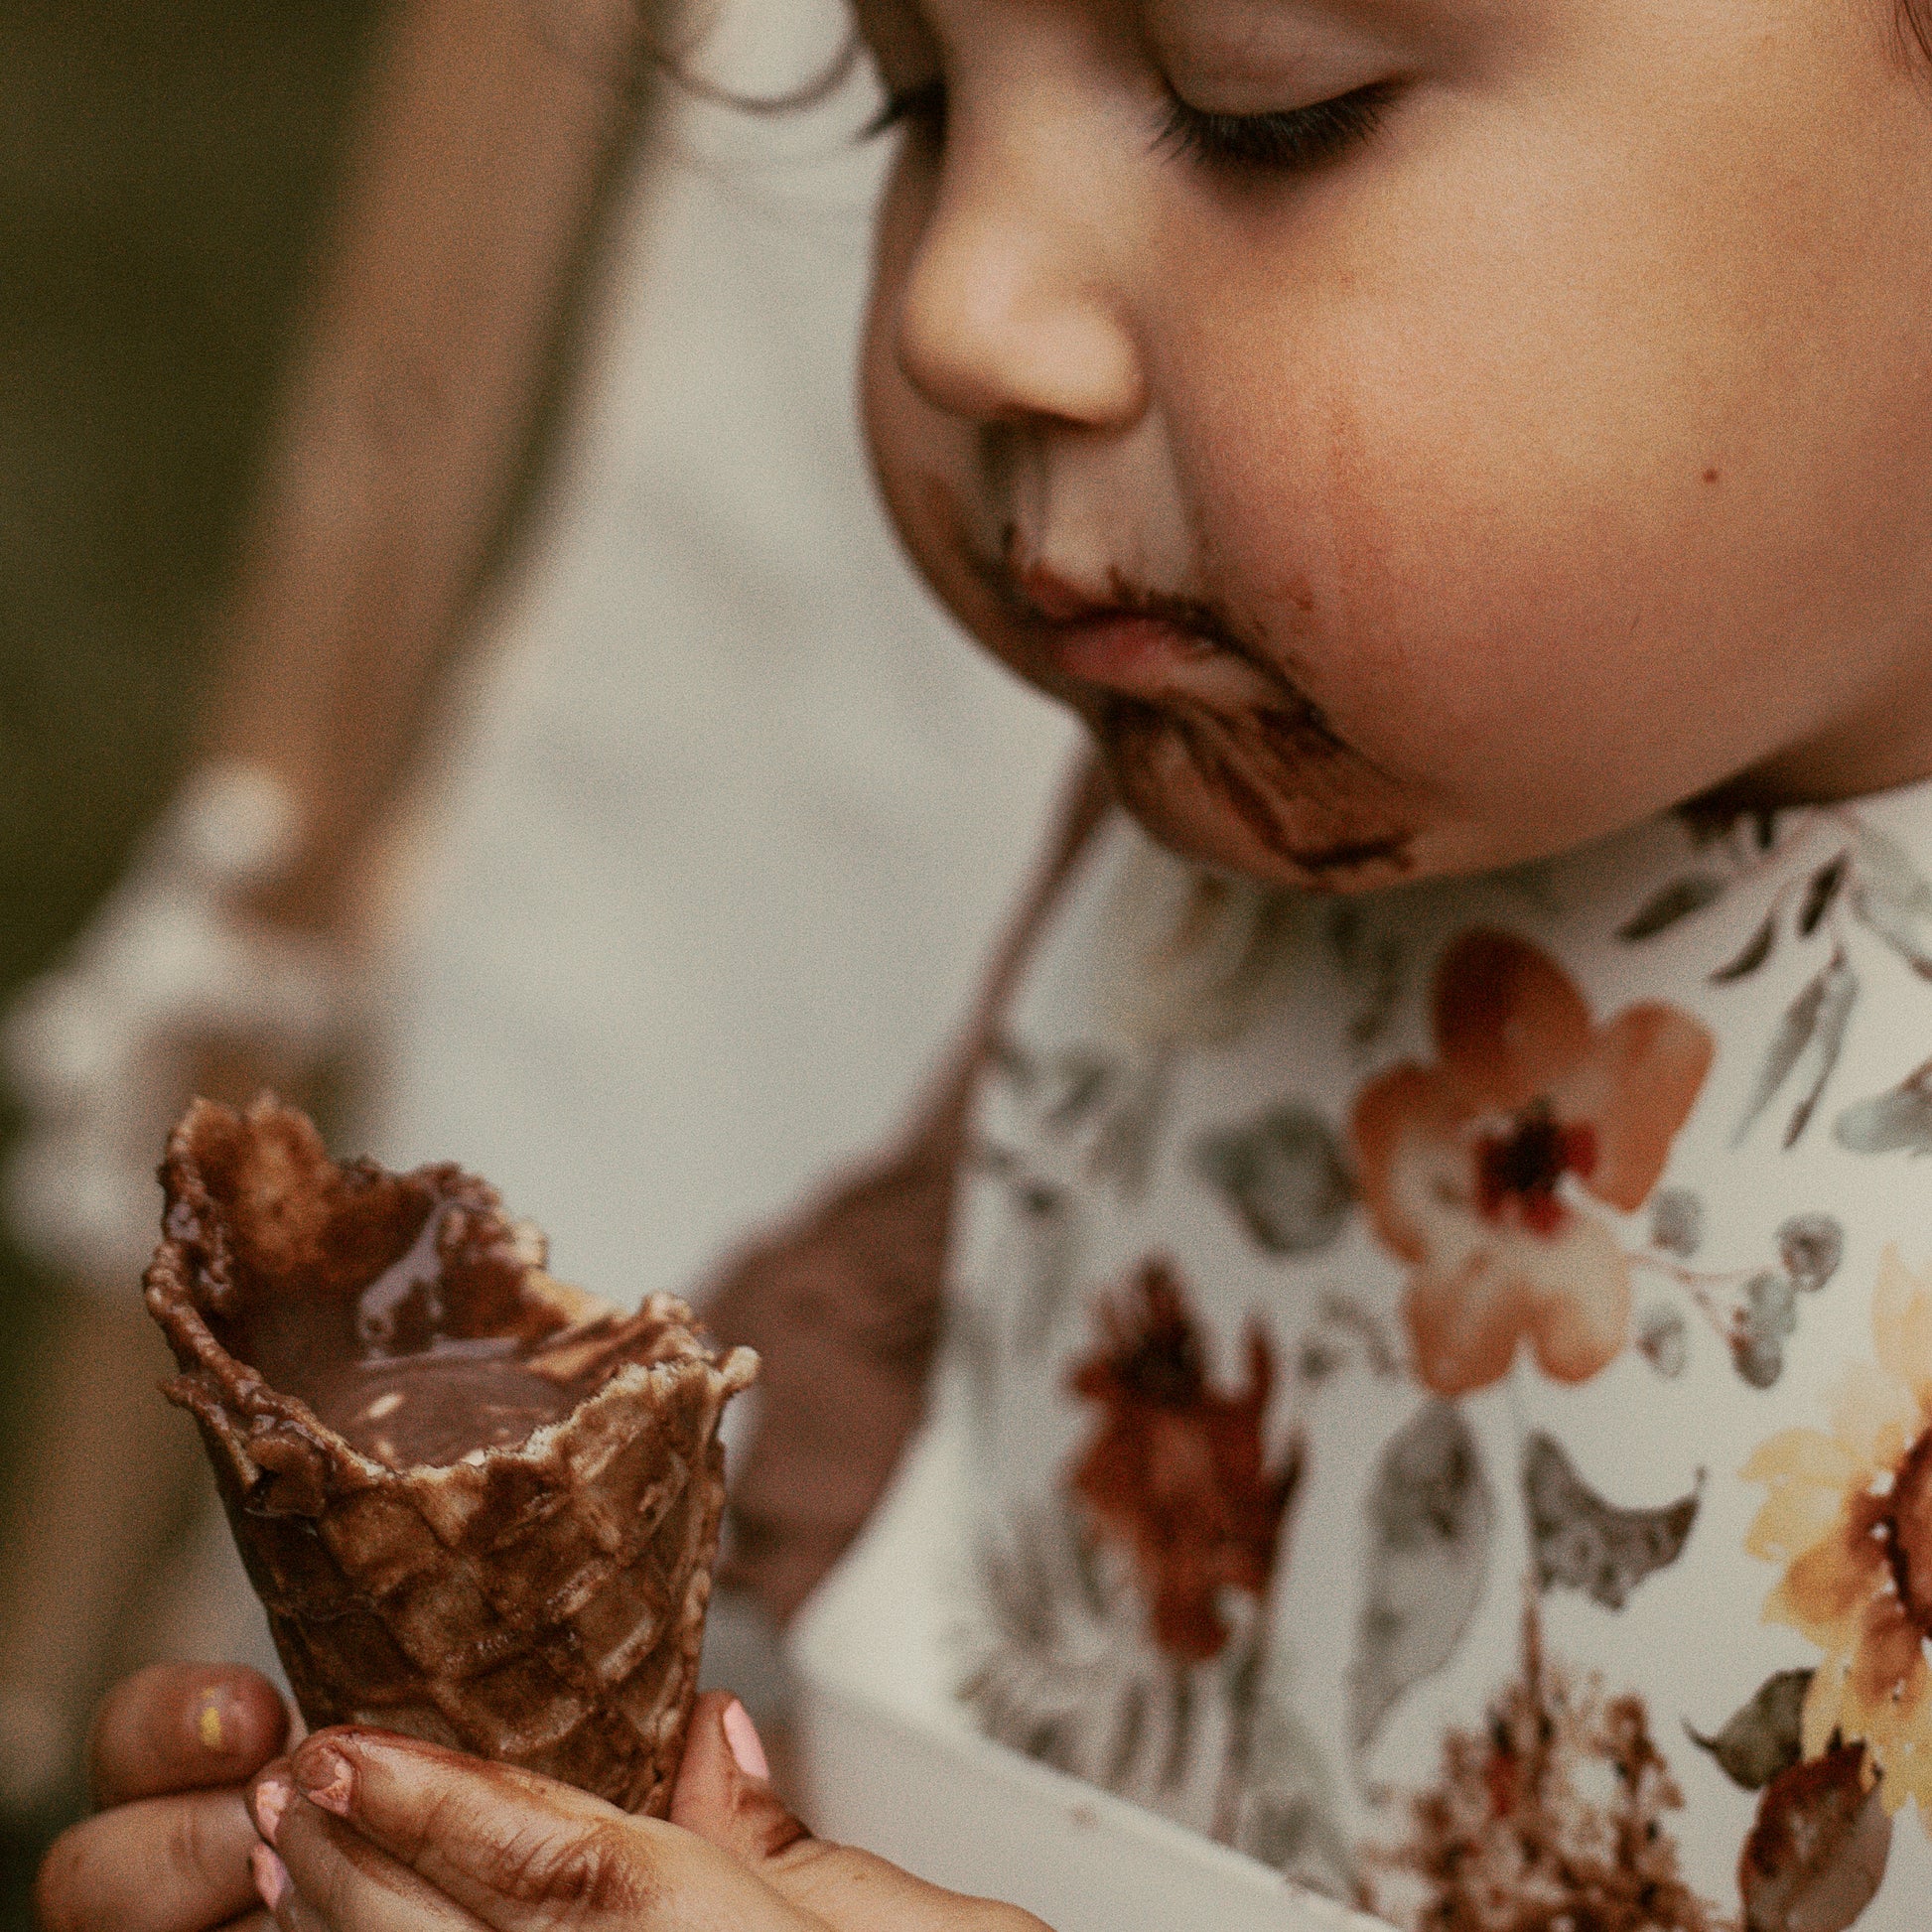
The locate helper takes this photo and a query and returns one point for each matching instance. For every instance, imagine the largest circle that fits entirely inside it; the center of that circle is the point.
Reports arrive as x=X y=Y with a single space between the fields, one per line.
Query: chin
x=1238 y=802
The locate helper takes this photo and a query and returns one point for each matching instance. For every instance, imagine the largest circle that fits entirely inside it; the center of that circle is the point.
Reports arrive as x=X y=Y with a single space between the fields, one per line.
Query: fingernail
x=272 y=1796
x=326 y=1778
x=272 y=1876
x=215 y=1721
x=742 y=1735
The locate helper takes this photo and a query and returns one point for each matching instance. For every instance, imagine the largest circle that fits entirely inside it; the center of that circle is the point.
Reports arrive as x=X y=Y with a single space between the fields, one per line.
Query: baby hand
x=381 y=1834
x=170 y=1851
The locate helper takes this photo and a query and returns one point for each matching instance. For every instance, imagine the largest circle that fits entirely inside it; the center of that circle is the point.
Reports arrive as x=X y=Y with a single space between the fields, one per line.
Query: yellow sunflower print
x=1850 y=1516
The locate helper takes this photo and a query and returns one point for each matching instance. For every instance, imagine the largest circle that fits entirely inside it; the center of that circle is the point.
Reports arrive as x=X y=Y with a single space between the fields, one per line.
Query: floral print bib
x=1449 y=1375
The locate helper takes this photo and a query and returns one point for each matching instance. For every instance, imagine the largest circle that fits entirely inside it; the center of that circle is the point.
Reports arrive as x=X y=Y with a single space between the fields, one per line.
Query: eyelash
x=1292 y=141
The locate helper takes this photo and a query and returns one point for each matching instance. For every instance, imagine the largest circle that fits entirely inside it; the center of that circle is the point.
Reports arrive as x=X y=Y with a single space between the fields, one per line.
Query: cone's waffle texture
x=541 y=1603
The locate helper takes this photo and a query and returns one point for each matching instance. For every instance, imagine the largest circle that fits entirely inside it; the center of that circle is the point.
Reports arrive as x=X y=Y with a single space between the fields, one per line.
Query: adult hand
x=381 y=1834
x=171 y=1849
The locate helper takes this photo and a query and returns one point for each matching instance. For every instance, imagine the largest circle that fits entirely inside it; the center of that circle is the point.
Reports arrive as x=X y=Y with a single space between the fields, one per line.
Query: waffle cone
x=542 y=1604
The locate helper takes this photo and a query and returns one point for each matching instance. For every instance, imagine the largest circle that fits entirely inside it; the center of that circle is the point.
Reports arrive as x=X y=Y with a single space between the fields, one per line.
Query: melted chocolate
x=436 y=1406
x=401 y=1309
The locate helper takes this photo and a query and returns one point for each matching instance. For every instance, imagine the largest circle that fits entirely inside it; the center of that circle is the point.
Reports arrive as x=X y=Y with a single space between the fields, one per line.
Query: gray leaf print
x=1045 y=1231
x=1677 y=1221
x=1663 y=1342
x=1821 y=893
x=1071 y=1086
x=1581 y=1542
x=1890 y=1123
x=1675 y=902
x=1127 y=1133
x=1794 y=1033
x=1285 y=1814
x=1767 y=1321
x=1811 y=1246
x=1840 y=995
x=1284 y=1176
x=1757 y=950
x=1430 y=1514
x=1765 y=1737
x=1814 y=1021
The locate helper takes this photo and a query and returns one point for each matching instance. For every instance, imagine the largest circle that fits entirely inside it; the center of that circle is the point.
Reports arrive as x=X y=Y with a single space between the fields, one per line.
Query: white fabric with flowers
x=1447 y=1377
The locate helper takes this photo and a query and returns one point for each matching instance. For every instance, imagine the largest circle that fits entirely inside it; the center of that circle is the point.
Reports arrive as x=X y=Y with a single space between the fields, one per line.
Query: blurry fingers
x=160 y=1864
x=183 y=1727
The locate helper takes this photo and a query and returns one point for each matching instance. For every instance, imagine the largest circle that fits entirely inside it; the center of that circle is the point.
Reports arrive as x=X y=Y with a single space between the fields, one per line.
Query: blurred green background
x=164 y=167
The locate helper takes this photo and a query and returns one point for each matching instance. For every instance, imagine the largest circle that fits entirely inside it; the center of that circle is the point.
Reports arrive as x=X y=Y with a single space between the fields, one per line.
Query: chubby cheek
x=1621 y=496
x=1481 y=614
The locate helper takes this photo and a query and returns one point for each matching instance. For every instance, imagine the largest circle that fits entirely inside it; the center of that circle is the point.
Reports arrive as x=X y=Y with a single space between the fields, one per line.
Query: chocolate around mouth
x=406 y=1312
x=1297 y=788
x=1280 y=767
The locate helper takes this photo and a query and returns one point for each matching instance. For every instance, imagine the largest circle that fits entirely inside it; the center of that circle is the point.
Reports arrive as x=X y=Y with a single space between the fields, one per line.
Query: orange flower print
x=1850 y=1516
x=1178 y=1474
x=1471 y=1169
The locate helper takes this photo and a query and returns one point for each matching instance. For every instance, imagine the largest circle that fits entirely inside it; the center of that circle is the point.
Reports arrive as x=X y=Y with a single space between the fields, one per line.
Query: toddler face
x=1418 y=435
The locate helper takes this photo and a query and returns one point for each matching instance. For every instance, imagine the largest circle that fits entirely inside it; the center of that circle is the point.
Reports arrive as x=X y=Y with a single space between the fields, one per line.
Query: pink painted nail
x=272 y=1876
x=272 y=1796
x=326 y=1778
x=742 y=1735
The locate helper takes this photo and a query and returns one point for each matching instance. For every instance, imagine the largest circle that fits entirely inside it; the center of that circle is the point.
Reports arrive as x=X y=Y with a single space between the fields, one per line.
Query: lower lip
x=1137 y=655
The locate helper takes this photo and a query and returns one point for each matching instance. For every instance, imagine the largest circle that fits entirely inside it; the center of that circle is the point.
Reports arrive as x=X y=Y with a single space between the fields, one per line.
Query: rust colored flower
x=1177 y=1475
x=1472 y=1169
x=1554 y=1816
x=1850 y=1516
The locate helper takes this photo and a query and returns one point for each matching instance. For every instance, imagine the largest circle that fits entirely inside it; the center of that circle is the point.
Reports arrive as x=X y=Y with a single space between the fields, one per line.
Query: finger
x=182 y=1727
x=323 y=1875
x=162 y=1864
x=723 y=1795
x=522 y=1853
x=287 y=1910
x=724 y=1789
x=270 y=1798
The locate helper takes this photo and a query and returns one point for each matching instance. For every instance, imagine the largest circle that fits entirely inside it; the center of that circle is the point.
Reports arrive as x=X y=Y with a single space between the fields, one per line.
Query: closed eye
x=1293 y=141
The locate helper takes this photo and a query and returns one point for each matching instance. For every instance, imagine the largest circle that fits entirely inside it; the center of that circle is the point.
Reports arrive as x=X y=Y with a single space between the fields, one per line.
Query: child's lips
x=1127 y=652
x=1131 y=643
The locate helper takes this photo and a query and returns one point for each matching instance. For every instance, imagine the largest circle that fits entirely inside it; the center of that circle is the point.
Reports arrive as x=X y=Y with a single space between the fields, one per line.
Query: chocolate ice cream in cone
x=480 y=1506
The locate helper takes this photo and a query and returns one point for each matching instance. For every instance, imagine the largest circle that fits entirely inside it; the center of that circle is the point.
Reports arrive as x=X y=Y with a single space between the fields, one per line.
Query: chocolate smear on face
x=1280 y=769
x=480 y=1506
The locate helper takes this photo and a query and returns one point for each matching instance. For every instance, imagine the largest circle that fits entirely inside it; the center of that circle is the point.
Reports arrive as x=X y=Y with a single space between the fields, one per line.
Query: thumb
x=723 y=1795
x=723 y=1787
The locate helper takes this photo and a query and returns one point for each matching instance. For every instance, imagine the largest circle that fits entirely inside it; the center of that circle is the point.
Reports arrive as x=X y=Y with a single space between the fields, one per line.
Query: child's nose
x=1008 y=313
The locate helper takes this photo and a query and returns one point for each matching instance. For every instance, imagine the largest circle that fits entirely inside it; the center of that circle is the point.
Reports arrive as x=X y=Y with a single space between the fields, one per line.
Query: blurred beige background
x=718 y=818
x=163 y=171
